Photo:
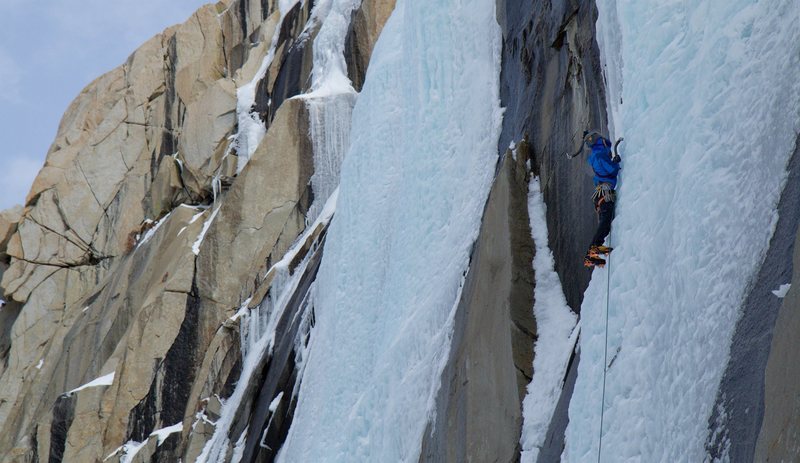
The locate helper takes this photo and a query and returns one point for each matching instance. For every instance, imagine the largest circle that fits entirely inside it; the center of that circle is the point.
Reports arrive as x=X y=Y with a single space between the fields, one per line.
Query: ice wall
x=331 y=99
x=707 y=97
x=413 y=187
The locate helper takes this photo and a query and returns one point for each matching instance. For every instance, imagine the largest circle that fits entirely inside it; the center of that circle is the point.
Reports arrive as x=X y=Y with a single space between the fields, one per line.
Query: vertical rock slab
x=365 y=27
x=552 y=89
x=479 y=406
x=779 y=439
x=265 y=206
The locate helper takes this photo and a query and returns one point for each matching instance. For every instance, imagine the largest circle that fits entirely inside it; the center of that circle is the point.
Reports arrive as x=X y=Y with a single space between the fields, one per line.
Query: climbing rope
x=605 y=360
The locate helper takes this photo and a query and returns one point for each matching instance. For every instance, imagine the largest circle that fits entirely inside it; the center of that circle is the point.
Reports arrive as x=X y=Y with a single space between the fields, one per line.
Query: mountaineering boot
x=593 y=261
x=596 y=251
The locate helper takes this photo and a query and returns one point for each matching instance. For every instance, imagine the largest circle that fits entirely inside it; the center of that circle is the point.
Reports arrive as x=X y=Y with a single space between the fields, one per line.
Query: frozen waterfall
x=413 y=187
x=703 y=93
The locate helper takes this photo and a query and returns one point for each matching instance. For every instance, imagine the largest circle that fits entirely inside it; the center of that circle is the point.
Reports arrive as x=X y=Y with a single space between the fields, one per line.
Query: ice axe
x=615 y=153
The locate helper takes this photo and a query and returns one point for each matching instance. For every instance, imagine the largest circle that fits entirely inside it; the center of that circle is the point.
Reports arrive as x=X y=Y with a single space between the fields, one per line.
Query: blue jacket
x=605 y=170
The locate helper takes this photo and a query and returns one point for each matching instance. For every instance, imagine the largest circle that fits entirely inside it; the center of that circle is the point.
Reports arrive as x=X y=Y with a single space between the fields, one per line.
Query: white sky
x=49 y=51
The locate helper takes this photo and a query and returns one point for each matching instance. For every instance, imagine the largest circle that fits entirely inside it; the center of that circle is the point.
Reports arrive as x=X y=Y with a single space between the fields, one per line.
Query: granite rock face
x=779 y=438
x=145 y=234
x=139 y=240
x=479 y=406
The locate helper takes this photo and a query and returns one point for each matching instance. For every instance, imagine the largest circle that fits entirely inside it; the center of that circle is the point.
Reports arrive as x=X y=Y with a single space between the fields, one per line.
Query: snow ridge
x=557 y=334
x=413 y=186
x=710 y=118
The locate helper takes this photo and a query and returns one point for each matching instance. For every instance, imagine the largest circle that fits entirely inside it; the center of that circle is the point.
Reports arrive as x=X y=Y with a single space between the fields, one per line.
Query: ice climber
x=605 y=163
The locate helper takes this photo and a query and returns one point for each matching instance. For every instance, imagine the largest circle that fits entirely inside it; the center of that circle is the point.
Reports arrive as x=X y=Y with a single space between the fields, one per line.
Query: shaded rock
x=479 y=406
x=8 y=225
x=263 y=212
x=738 y=416
x=365 y=28
x=552 y=89
x=208 y=123
x=779 y=437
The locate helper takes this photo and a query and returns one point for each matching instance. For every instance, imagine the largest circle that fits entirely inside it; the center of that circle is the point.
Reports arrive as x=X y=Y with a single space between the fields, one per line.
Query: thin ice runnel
x=331 y=99
x=257 y=333
x=251 y=128
x=258 y=337
x=557 y=335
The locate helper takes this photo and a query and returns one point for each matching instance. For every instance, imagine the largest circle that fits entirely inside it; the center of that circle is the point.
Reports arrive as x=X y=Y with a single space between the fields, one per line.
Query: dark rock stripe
x=739 y=410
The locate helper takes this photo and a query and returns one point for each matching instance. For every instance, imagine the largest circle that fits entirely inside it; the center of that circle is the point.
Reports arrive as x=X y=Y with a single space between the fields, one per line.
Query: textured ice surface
x=413 y=187
x=331 y=99
x=707 y=96
x=556 y=335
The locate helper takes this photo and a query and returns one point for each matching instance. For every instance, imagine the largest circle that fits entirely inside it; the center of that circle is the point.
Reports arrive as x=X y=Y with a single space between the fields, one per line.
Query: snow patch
x=152 y=231
x=163 y=433
x=251 y=128
x=782 y=290
x=557 y=332
x=206 y=226
x=275 y=402
x=106 y=380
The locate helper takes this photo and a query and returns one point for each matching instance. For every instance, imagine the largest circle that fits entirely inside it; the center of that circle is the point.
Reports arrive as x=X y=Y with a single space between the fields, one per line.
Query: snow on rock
x=202 y=234
x=782 y=290
x=153 y=228
x=275 y=402
x=331 y=99
x=257 y=336
x=163 y=433
x=413 y=187
x=106 y=380
x=557 y=332
x=128 y=451
x=706 y=95
x=251 y=127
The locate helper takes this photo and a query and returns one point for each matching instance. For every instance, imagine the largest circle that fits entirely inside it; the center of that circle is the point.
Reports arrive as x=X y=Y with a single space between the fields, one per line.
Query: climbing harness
x=603 y=193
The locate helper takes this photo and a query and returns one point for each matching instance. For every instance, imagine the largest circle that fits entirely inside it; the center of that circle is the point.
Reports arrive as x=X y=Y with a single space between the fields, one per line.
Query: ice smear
x=413 y=186
x=251 y=128
x=106 y=380
x=257 y=333
x=152 y=231
x=163 y=433
x=206 y=226
x=238 y=448
x=699 y=174
x=131 y=448
x=275 y=402
x=782 y=290
x=331 y=99
x=557 y=332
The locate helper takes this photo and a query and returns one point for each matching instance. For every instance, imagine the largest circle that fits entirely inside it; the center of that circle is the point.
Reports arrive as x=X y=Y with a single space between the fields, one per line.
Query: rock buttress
x=479 y=405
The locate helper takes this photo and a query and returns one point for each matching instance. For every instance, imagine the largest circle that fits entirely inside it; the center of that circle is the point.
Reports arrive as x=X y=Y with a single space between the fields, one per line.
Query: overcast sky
x=49 y=51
